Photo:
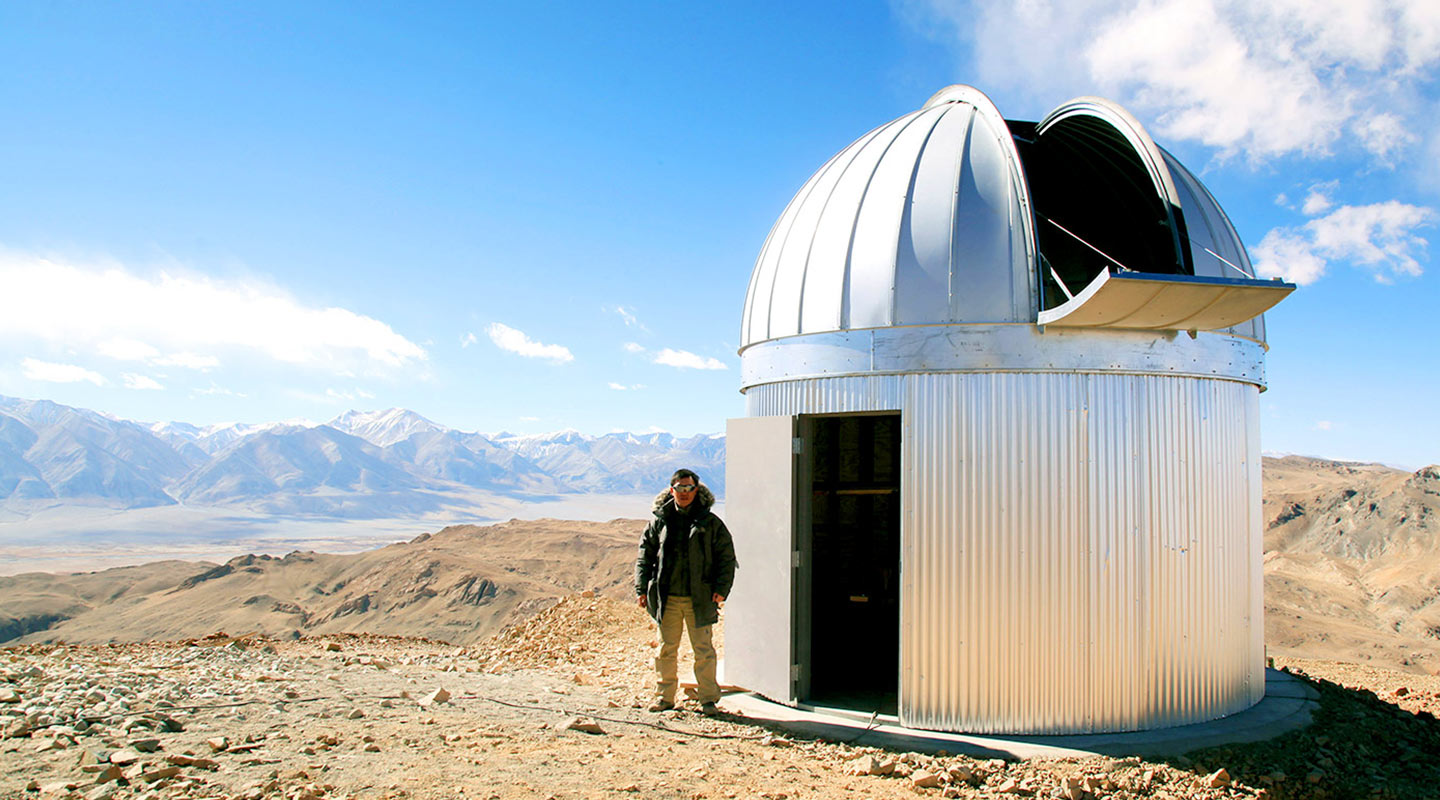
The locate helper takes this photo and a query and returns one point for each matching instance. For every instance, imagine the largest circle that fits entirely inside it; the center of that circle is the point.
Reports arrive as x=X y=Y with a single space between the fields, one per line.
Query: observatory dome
x=1002 y=388
x=954 y=215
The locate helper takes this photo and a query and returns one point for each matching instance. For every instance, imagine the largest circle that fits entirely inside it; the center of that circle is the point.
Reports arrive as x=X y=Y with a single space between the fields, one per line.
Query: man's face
x=683 y=491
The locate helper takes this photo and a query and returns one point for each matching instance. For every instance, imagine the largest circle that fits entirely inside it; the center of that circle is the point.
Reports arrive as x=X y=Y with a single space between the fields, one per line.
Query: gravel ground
x=552 y=708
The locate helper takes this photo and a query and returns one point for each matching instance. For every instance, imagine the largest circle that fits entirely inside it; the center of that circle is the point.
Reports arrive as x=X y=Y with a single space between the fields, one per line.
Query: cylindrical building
x=1000 y=470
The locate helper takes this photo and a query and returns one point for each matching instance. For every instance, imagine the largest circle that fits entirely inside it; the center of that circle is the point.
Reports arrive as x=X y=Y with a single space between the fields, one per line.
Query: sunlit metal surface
x=1010 y=348
x=1080 y=552
x=759 y=459
x=1140 y=301
x=922 y=220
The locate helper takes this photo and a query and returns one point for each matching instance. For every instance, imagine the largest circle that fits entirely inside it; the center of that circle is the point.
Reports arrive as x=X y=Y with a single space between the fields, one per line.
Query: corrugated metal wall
x=1079 y=552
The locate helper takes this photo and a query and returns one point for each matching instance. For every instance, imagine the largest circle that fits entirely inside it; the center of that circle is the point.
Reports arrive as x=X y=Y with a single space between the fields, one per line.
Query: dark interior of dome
x=1086 y=178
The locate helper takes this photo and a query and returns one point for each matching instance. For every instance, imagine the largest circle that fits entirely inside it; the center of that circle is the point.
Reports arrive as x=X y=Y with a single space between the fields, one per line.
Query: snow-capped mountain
x=384 y=428
x=360 y=464
x=50 y=452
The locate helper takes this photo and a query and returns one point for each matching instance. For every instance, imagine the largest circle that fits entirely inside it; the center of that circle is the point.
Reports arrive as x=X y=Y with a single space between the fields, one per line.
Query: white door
x=760 y=511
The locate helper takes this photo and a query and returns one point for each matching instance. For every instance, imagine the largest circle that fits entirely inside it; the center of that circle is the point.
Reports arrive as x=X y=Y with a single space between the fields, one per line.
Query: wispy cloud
x=50 y=372
x=1263 y=78
x=467 y=340
x=134 y=381
x=1380 y=237
x=633 y=347
x=1317 y=202
x=515 y=341
x=1324 y=425
x=187 y=360
x=178 y=319
x=684 y=359
x=627 y=314
x=127 y=350
x=214 y=390
x=620 y=387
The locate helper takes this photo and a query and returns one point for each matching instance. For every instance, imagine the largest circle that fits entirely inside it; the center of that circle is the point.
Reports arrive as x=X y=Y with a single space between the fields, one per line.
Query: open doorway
x=849 y=587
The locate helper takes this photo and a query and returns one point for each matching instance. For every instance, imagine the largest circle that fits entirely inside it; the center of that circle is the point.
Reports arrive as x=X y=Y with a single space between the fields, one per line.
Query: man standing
x=682 y=575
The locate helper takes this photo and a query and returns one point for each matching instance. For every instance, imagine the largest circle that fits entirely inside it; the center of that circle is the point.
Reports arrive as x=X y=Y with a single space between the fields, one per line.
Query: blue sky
x=544 y=217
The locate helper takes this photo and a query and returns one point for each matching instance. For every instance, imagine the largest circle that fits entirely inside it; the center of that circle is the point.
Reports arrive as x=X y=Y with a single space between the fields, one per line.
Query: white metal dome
x=953 y=215
x=922 y=220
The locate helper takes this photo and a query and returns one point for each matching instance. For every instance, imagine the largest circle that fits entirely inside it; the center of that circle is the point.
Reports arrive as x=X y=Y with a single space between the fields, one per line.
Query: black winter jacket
x=711 y=556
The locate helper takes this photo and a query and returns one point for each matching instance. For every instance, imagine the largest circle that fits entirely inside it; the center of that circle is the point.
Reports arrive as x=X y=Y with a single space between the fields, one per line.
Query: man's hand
x=640 y=600
x=718 y=598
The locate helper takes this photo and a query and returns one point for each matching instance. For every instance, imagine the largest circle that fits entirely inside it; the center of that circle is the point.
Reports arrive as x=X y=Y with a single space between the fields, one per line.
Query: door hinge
x=794 y=558
x=797 y=445
x=794 y=672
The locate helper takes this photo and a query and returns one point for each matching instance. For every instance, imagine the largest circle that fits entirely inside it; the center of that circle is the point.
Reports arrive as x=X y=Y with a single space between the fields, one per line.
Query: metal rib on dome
x=924 y=220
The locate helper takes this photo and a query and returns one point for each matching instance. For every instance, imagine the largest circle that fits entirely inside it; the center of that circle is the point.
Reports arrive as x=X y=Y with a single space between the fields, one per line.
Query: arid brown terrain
x=1352 y=562
x=552 y=708
x=1352 y=573
x=459 y=585
x=507 y=661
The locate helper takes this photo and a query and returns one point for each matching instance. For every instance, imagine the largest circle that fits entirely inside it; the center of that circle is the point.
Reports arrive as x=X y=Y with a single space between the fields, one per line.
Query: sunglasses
x=684 y=487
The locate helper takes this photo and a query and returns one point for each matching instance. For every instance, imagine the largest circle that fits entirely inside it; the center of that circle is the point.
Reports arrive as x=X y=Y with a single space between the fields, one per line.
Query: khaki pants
x=680 y=611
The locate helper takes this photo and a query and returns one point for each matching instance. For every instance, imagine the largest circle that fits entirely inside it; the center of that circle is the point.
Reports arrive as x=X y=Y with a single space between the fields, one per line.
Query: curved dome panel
x=924 y=220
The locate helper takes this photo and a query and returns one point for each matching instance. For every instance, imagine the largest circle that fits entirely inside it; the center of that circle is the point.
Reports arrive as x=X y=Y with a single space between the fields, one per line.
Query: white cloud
x=216 y=390
x=132 y=350
x=508 y=338
x=1316 y=202
x=127 y=350
x=627 y=314
x=687 y=360
x=50 y=372
x=619 y=387
x=1380 y=237
x=1384 y=134
x=124 y=315
x=1262 y=78
x=467 y=340
x=633 y=347
x=1324 y=425
x=188 y=360
x=1286 y=253
x=134 y=381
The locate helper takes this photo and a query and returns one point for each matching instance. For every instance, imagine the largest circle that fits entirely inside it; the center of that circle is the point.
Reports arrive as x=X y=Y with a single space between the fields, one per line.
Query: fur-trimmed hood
x=704 y=499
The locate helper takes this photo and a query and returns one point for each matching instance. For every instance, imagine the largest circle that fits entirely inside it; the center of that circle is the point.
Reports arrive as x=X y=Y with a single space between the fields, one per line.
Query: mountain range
x=362 y=464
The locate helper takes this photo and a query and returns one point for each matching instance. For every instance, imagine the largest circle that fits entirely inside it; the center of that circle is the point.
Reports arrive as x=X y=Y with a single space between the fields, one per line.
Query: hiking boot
x=709 y=709
x=660 y=705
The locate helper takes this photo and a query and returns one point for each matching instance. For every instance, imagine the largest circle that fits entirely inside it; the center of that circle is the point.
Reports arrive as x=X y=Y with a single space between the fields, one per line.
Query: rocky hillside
x=555 y=709
x=1352 y=561
x=459 y=585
